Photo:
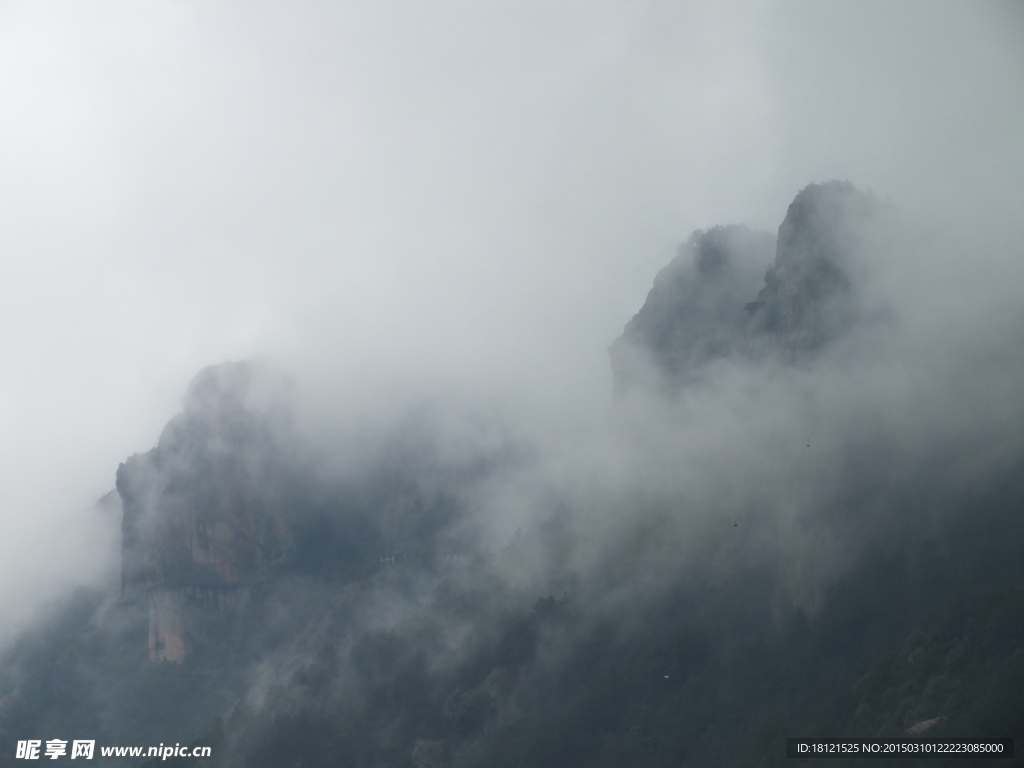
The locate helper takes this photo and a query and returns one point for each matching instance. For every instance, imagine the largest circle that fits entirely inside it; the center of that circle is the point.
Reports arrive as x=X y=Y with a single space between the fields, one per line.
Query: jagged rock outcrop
x=808 y=294
x=695 y=311
x=228 y=502
x=202 y=521
x=723 y=296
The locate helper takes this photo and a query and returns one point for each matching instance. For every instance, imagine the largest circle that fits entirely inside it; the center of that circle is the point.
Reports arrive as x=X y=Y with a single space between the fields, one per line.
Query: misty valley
x=800 y=516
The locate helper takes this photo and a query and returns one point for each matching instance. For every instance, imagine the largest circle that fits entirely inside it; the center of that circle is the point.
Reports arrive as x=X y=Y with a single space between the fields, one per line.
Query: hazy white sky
x=442 y=195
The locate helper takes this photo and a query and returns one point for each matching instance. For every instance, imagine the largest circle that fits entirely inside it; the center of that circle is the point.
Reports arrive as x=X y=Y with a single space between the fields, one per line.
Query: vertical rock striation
x=202 y=524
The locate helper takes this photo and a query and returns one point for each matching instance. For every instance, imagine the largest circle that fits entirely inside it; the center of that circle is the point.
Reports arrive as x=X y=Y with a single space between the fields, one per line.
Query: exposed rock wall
x=807 y=299
x=179 y=616
x=166 y=625
x=201 y=523
x=724 y=296
x=694 y=313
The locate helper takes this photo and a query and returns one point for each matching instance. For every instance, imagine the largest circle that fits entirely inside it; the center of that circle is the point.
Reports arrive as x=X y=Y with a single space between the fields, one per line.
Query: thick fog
x=468 y=202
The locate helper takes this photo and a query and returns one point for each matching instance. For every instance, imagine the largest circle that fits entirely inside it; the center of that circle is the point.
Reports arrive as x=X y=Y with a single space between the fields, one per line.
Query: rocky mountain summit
x=203 y=521
x=723 y=295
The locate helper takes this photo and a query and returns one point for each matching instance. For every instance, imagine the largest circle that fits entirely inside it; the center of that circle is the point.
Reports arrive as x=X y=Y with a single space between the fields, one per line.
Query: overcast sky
x=450 y=195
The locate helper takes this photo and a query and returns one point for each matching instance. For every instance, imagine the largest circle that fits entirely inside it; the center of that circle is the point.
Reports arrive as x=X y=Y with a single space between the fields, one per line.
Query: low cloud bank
x=786 y=409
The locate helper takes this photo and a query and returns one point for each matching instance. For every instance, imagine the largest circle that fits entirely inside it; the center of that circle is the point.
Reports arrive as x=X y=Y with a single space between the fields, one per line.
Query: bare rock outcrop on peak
x=695 y=312
x=724 y=295
x=202 y=524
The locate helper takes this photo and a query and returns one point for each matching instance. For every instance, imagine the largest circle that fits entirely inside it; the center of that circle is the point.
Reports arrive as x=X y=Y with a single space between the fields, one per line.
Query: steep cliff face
x=228 y=502
x=695 y=312
x=808 y=295
x=724 y=296
x=202 y=523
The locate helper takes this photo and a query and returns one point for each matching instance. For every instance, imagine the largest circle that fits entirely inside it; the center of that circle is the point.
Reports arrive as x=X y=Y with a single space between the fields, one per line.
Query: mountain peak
x=724 y=295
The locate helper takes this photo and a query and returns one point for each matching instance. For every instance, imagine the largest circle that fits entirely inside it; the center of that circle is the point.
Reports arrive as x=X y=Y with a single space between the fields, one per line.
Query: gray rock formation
x=723 y=296
x=808 y=294
x=695 y=311
x=200 y=524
